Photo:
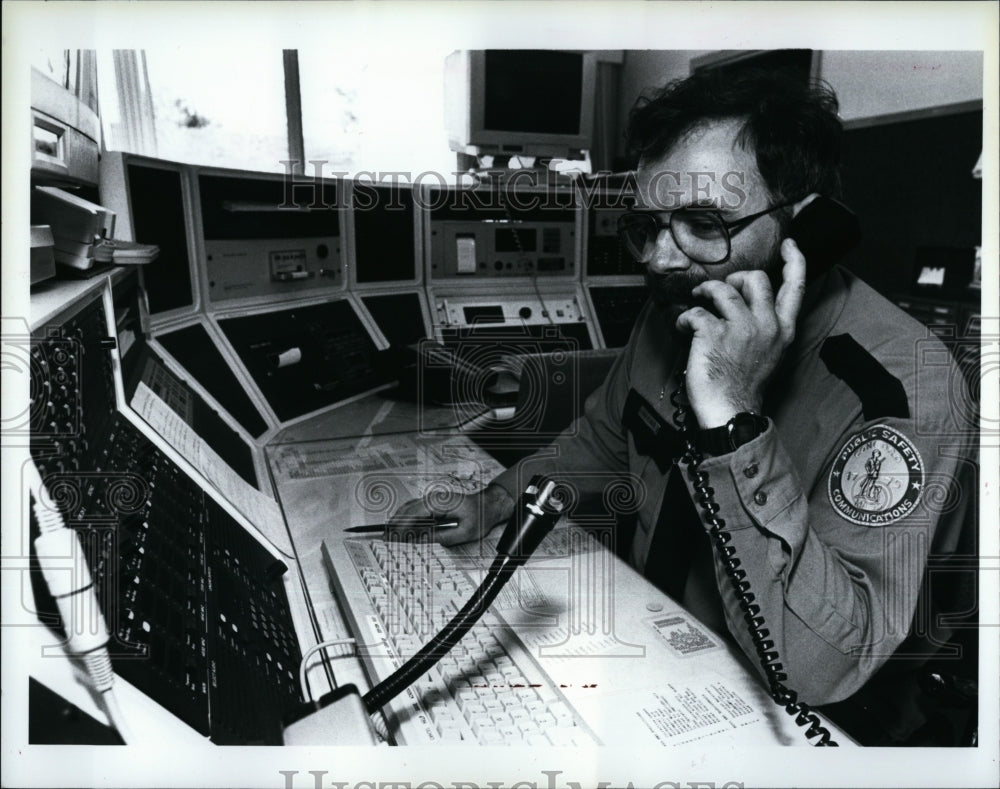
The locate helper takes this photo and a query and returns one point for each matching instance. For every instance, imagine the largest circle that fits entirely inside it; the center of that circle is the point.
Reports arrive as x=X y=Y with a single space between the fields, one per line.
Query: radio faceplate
x=470 y=249
x=528 y=310
x=271 y=267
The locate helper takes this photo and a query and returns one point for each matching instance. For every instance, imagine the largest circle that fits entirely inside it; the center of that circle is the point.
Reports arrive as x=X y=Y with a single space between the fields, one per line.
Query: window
x=360 y=109
x=375 y=110
x=58 y=65
x=214 y=107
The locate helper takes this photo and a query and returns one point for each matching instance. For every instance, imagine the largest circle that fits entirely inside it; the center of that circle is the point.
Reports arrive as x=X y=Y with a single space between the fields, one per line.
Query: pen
x=383 y=527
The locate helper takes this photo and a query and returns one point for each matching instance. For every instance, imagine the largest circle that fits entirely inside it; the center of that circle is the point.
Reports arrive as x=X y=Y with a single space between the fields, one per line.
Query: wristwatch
x=741 y=429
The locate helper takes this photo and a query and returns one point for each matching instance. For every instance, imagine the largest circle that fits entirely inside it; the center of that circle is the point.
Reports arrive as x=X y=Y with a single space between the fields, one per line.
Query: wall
x=869 y=84
x=648 y=68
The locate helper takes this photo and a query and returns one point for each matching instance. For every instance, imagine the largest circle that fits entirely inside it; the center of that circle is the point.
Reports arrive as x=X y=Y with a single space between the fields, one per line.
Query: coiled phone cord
x=766 y=654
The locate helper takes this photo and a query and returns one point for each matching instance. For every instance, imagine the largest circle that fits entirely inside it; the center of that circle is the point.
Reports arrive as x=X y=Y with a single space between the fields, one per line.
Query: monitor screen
x=398 y=315
x=384 y=243
x=520 y=102
x=533 y=91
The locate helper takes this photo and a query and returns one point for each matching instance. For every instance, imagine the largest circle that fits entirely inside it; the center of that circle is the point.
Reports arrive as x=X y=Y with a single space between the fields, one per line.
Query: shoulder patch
x=881 y=393
x=877 y=477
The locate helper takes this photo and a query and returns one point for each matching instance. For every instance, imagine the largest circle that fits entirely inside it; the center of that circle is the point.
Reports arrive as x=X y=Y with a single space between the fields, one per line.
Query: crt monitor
x=515 y=101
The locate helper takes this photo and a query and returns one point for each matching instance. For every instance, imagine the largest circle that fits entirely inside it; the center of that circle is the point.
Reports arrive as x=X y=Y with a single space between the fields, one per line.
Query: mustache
x=673 y=287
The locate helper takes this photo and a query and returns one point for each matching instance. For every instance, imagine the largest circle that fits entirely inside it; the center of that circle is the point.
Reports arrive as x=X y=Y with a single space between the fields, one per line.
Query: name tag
x=653 y=435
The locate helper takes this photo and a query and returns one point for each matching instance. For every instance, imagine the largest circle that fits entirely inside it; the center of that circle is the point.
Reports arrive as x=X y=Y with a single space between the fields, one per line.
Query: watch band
x=741 y=429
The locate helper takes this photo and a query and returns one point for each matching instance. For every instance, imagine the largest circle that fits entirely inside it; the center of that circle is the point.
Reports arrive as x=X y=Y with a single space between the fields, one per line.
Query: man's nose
x=667 y=256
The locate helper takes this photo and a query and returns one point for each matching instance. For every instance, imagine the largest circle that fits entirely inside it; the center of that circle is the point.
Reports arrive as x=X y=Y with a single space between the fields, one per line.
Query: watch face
x=744 y=428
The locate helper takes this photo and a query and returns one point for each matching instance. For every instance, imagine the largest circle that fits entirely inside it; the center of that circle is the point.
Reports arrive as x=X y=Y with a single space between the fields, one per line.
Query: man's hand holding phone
x=477 y=514
x=737 y=343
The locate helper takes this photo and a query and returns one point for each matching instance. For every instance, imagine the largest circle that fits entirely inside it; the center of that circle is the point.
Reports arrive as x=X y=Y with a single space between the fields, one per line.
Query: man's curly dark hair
x=789 y=124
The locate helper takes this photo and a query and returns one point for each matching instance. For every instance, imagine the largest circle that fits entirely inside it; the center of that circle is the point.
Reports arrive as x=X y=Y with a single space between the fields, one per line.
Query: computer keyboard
x=488 y=690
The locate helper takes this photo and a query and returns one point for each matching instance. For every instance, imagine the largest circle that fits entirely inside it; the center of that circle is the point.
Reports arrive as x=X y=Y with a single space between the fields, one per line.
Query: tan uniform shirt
x=833 y=510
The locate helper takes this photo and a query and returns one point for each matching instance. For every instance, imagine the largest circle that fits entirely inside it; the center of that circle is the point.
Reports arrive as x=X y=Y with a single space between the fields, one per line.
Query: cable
x=98 y=665
x=523 y=259
x=86 y=631
x=333 y=642
x=781 y=694
x=545 y=307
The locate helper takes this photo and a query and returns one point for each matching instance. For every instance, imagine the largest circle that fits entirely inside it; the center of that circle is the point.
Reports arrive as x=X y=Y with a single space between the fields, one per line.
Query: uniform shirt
x=833 y=510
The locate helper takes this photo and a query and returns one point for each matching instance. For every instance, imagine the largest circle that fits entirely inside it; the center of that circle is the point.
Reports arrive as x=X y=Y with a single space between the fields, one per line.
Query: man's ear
x=803 y=203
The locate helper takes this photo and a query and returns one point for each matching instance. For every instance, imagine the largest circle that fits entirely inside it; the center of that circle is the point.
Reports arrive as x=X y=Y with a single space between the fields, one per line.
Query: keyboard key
x=536 y=705
x=474 y=710
x=500 y=718
x=445 y=720
x=544 y=720
x=492 y=703
x=495 y=678
x=481 y=723
x=450 y=733
x=510 y=701
x=528 y=726
x=562 y=713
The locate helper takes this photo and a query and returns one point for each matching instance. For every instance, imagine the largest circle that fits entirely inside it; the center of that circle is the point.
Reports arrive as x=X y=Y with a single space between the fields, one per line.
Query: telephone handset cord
x=766 y=654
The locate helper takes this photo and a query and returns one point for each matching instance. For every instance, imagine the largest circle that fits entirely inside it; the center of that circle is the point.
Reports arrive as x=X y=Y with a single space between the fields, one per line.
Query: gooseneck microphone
x=537 y=511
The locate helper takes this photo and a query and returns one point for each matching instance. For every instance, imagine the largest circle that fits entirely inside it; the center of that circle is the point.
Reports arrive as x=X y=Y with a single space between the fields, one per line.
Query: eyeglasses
x=701 y=234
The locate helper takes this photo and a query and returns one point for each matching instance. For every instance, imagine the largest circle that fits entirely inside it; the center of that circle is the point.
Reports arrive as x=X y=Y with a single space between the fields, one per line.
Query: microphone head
x=538 y=508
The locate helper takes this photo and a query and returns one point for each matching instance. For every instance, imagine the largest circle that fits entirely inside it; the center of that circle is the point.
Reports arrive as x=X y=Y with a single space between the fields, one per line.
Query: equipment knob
x=525 y=312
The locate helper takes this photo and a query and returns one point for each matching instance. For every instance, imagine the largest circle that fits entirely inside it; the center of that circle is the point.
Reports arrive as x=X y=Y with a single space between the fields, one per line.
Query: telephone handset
x=825 y=230
x=767 y=655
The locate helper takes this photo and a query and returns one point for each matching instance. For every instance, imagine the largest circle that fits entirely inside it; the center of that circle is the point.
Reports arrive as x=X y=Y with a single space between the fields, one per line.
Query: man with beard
x=788 y=390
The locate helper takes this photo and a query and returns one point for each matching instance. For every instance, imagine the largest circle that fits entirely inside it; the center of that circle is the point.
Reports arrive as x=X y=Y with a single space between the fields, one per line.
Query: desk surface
x=380 y=413
x=624 y=653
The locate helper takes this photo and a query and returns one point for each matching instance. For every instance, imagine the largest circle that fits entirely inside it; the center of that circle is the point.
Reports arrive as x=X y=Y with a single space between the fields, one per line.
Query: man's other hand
x=477 y=514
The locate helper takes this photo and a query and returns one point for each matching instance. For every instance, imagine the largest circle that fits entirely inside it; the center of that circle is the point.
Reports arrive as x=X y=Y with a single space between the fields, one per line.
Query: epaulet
x=880 y=392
